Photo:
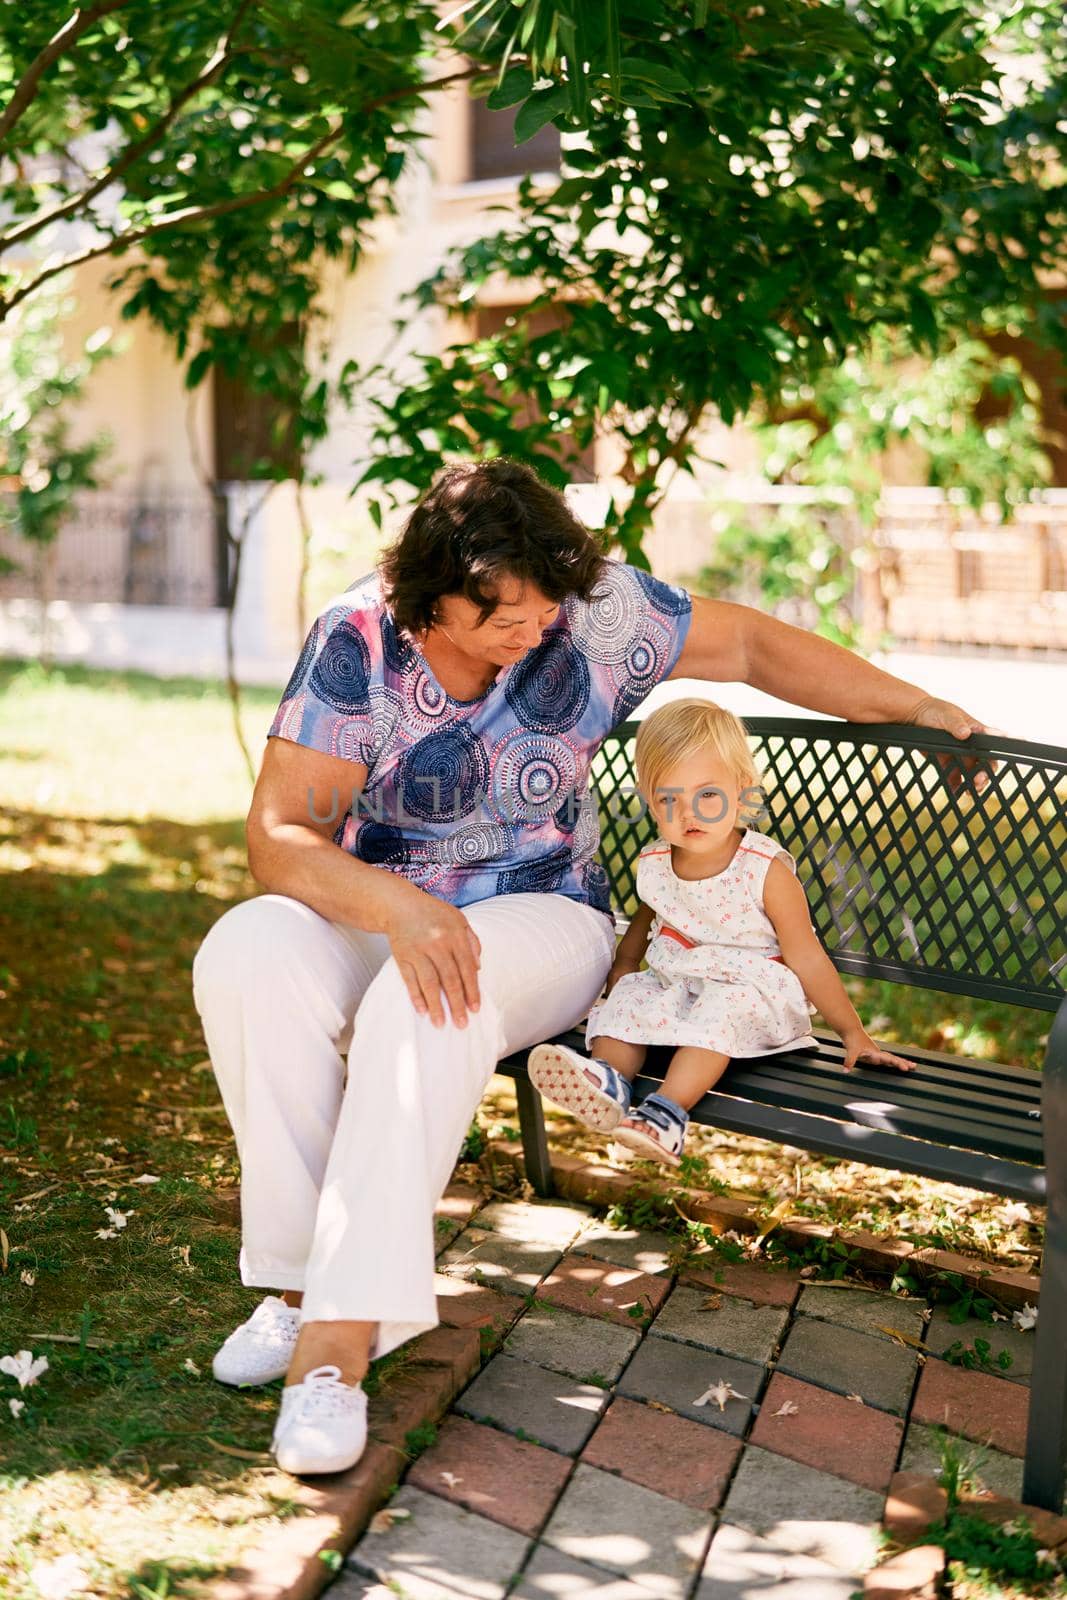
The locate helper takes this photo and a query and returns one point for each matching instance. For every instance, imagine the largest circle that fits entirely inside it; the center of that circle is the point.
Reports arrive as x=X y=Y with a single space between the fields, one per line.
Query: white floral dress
x=715 y=977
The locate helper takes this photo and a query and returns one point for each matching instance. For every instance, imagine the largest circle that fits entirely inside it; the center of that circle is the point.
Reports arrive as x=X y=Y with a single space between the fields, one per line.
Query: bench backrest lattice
x=964 y=892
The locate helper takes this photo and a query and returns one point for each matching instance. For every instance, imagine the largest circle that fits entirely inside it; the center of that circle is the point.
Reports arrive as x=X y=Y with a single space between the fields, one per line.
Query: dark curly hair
x=478 y=523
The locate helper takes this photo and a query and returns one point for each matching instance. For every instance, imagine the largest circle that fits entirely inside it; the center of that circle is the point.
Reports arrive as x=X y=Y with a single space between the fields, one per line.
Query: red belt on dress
x=690 y=944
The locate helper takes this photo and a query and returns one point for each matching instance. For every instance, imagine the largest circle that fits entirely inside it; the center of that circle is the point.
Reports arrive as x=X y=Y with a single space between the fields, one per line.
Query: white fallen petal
x=54 y=1580
x=28 y=1278
x=23 y=1367
x=720 y=1393
x=786 y=1409
x=451 y=1479
x=1026 y=1318
x=16 y=1406
x=146 y=1177
x=857 y=1397
x=189 y=1365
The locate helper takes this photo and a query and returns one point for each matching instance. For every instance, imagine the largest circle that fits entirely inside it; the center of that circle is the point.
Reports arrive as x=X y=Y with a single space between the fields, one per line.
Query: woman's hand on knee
x=438 y=953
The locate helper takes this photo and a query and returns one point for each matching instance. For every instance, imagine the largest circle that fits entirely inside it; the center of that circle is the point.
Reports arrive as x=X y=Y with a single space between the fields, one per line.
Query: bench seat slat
x=848 y=1089
x=993 y=1077
x=918 y=1088
x=775 y=1083
x=924 y=1083
x=953 y=1125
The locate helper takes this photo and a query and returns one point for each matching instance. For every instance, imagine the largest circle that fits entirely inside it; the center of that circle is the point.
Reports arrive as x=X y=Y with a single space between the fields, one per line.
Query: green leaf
x=516 y=85
x=652 y=72
x=541 y=108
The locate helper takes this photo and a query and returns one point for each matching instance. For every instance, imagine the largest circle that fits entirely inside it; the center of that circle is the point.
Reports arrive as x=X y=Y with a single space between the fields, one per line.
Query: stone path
x=638 y=1433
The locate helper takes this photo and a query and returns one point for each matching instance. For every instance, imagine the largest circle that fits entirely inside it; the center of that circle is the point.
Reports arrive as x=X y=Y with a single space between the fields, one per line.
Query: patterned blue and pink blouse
x=474 y=798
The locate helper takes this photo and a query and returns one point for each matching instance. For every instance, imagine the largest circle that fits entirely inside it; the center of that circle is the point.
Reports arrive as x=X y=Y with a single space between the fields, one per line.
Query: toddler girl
x=734 y=964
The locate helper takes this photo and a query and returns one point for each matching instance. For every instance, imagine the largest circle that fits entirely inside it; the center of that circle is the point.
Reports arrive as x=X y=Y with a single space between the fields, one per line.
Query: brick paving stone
x=545 y=1223
x=643 y=1248
x=879 y=1371
x=470 y=1305
x=655 y=1543
x=514 y=1266
x=864 y=1310
x=669 y=1454
x=440 y=1551
x=600 y=1289
x=914 y=1574
x=551 y=1575
x=452 y=1213
x=508 y=1480
x=991 y=1469
x=787 y=1503
x=827 y=1431
x=585 y=1347
x=914 y=1501
x=548 y=1407
x=974 y=1404
x=458 y=1349
x=1001 y=1336
x=676 y=1375
x=736 y=1327
x=742 y=1566
x=752 y=1280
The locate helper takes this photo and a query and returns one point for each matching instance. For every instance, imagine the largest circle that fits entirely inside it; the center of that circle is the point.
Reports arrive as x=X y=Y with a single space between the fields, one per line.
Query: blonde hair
x=680 y=729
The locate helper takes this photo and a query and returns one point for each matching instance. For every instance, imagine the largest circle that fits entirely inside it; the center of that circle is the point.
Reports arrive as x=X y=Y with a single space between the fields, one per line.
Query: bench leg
x=1046 y=1435
x=534 y=1140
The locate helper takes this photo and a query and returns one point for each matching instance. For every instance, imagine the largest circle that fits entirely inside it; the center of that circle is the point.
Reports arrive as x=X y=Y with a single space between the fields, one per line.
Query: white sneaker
x=322 y=1424
x=261 y=1348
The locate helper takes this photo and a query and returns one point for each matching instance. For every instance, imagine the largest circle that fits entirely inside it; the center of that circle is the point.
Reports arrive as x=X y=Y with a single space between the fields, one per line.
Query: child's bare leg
x=626 y=1058
x=692 y=1073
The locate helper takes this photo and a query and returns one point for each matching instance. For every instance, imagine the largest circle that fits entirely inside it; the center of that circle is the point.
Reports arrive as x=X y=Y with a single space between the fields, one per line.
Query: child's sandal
x=656 y=1130
x=588 y=1088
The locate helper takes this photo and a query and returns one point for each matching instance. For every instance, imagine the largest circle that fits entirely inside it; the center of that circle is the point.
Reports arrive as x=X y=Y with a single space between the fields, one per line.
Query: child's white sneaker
x=588 y=1088
x=261 y=1348
x=322 y=1423
x=656 y=1130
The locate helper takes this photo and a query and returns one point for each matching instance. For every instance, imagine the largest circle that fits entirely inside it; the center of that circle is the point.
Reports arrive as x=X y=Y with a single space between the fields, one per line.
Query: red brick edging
x=586 y=1181
x=915 y=1571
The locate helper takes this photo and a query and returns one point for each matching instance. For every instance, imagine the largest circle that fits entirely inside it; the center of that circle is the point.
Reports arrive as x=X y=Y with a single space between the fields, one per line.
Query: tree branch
x=221 y=208
x=60 y=42
x=219 y=61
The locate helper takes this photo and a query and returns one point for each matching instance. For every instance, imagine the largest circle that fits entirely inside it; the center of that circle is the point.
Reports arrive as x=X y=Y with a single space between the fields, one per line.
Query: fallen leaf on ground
x=712 y=1303
x=657 y=1405
x=902 y=1338
x=720 y=1393
x=383 y=1520
x=235 y=1450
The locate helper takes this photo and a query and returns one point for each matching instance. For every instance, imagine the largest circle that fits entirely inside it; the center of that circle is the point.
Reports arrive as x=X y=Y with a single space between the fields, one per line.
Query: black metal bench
x=961 y=891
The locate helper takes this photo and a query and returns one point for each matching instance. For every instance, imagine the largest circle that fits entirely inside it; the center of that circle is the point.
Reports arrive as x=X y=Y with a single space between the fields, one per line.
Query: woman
x=423 y=830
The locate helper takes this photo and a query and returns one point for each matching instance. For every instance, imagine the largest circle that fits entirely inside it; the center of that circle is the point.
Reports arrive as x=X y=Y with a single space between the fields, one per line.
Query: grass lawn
x=120 y=844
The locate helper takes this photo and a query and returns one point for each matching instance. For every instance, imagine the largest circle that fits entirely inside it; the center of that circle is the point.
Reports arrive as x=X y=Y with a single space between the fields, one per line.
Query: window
x=253 y=436
x=494 y=153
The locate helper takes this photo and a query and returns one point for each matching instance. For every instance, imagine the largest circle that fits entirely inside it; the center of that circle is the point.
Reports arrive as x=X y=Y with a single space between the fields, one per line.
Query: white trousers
x=340 y=1172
